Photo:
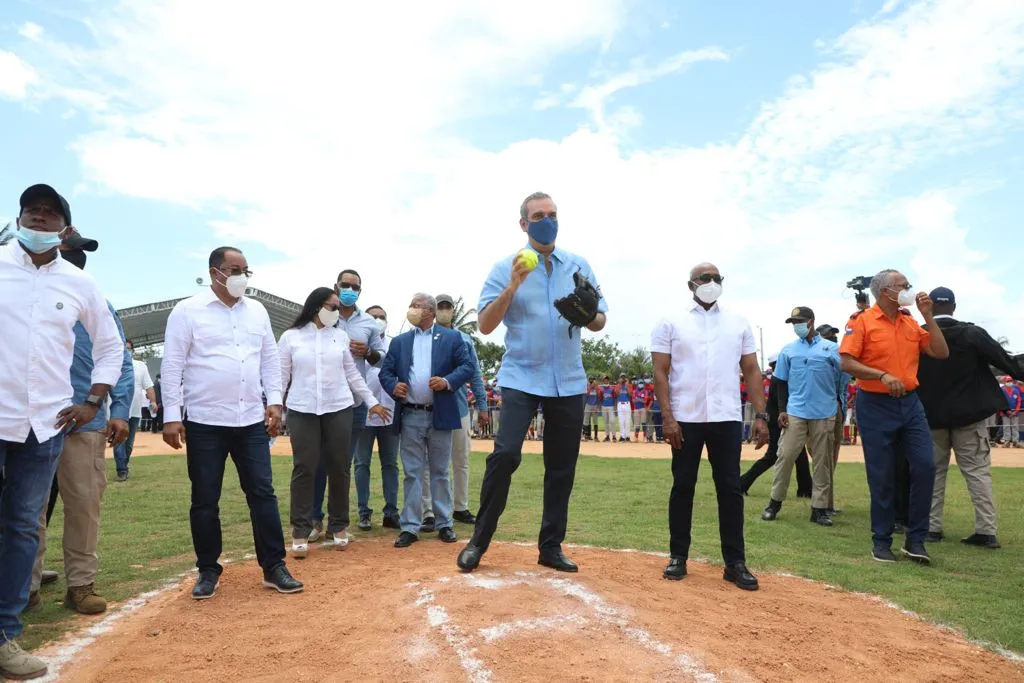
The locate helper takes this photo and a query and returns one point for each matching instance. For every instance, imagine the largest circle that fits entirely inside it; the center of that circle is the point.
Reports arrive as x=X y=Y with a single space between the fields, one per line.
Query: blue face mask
x=348 y=297
x=801 y=330
x=544 y=231
x=38 y=241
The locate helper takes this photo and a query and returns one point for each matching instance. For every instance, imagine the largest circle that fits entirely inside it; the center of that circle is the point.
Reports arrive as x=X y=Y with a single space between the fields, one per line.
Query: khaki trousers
x=973 y=457
x=82 y=479
x=817 y=436
x=460 y=473
x=837 y=444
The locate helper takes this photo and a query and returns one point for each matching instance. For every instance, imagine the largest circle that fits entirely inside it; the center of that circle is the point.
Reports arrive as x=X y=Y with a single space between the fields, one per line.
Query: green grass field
x=617 y=503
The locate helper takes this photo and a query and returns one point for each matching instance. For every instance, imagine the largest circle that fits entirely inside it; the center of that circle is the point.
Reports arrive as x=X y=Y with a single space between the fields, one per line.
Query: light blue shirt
x=476 y=382
x=812 y=371
x=419 y=374
x=541 y=357
x=121 y=394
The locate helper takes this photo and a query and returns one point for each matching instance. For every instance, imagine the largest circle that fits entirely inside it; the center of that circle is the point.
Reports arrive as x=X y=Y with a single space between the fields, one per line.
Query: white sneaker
x=339 y=540
x=317 y=532
x=18 y=665
x=300 y=548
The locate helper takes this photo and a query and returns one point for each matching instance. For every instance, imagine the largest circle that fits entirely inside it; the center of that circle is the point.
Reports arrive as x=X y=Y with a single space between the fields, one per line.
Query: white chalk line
x=437 y=618
x=492 y=634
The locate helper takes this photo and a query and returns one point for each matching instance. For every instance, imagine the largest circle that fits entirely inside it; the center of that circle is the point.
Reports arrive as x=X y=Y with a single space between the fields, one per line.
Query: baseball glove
x=580 y=307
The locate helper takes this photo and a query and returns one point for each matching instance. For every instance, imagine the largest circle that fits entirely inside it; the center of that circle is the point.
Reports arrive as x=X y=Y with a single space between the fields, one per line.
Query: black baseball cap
x=800 y=314
x=826 y=330
x=445 y=299
x=942 y=295
x=41 y=191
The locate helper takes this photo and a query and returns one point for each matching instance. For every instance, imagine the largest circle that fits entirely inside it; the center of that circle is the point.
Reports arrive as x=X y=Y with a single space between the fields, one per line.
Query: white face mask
x=381 y=325
x=709 y=292
x=906 y=298
x=328 y=317
x=235 y=284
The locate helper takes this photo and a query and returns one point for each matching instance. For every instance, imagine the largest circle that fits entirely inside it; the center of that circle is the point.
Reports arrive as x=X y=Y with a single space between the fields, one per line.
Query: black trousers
x=768 y=460
x=207 y=450
x=724 y=442
x=563 y=418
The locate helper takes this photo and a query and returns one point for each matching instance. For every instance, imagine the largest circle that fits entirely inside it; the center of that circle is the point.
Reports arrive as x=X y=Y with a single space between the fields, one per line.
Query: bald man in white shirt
x=696 y=355
x=42 y=296
x=220 y=359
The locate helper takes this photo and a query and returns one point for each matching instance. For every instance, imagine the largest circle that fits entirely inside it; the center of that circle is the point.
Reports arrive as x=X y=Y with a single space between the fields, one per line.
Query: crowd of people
x=227 y=386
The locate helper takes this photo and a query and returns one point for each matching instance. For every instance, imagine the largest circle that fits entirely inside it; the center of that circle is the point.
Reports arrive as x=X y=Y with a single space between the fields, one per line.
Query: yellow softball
x=528 y=257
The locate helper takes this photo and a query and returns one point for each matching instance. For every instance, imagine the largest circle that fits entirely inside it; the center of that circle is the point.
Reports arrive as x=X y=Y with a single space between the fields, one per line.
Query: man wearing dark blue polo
x=542 y=367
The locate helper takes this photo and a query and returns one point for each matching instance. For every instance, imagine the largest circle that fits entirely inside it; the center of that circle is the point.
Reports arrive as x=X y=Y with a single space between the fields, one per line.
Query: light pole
x=760 y=333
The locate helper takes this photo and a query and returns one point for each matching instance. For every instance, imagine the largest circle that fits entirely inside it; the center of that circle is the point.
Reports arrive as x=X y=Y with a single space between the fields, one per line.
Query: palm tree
x=461 y=321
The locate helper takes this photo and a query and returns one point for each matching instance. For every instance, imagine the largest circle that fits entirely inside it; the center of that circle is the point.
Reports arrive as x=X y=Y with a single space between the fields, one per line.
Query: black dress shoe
x=832 y=512
x=427 y=526
x=934 y=537
x=391 y=522
x=464 y=516
x=820 y=517
x=447 y=535
x=469 y=558
x=982 y=541
x=676 y=569
x=281 y=580
x=206 y=586
x=737 y=573
x=772 y=511
x=556 y=559
x=405 y=539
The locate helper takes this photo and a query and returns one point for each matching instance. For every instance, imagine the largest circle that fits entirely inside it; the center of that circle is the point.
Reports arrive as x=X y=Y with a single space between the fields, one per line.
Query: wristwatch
x=94 y=400
x=761 y=416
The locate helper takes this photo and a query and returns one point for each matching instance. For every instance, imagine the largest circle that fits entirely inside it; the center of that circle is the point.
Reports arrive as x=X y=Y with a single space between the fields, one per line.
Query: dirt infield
x=376 y=613
x=152 y=444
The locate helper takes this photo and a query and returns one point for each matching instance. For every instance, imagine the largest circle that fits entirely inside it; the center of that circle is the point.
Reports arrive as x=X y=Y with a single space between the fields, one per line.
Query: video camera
x=860 y=283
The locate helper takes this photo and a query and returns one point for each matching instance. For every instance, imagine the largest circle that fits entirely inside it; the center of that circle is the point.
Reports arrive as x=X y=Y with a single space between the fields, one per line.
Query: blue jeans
x=889 y=425
x=28 y=475
x=207 y=450
x=320 y=483
x=387 y=445
x=123 y=451
x=427 y=452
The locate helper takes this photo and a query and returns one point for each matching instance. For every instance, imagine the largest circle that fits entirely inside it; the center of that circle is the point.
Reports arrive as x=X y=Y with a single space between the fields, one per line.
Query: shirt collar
x=209 y=297
x=700 y=309
x=419 y=331
x=557 y=254
x=943 y=315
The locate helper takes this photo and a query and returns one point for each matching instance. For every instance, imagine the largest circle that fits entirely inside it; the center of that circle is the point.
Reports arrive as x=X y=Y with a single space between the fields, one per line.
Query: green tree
x=600 y=356
x=490 y=355
x=636 y=363
x=461 y=319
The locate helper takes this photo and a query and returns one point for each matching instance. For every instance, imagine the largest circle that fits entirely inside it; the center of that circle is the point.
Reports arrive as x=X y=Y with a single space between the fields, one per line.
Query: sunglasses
x=348 y=285
x=705 y=278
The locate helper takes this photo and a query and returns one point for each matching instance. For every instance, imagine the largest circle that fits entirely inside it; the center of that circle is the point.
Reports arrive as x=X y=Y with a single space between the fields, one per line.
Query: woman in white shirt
x=320 y=379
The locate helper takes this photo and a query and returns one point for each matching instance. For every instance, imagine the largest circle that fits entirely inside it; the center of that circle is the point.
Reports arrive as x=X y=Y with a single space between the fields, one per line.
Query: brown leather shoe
x=35 y=603
x=84 y=600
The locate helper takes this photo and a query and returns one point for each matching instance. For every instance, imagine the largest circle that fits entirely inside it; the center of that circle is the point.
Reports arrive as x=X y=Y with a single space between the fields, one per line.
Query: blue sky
x=795 y=144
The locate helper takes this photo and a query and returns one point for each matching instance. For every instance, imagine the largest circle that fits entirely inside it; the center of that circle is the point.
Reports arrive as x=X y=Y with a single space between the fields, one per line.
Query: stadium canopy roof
x=145 y=324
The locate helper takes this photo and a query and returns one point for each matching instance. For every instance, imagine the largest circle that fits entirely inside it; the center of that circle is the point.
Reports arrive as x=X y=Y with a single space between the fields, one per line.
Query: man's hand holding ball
x=523 y=264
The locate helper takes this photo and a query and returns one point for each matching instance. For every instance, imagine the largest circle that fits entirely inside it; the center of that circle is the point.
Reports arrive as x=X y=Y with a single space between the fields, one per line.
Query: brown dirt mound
x=375 y=613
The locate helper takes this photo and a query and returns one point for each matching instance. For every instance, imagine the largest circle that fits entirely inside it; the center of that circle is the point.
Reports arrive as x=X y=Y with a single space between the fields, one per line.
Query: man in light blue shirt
x=82 y=471
x=811 y=381
x=542 y=368
x=460 y=437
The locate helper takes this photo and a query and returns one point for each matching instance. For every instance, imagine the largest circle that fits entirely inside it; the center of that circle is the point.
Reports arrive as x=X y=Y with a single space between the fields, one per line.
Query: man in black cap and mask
x=959 y=394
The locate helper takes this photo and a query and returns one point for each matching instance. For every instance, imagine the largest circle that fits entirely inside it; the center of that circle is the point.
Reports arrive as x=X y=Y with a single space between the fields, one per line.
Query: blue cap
x=942 y=295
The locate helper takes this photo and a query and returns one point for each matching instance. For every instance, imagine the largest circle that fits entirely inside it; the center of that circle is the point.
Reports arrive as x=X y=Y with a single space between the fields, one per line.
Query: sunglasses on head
x=348 y=285
x=705 y=278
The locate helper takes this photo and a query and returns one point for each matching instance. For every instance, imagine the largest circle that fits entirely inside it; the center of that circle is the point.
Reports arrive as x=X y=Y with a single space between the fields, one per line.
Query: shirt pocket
x=252 y=339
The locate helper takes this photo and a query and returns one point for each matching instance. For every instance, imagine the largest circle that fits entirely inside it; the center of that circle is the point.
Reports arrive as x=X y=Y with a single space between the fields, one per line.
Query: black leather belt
x=417 y=406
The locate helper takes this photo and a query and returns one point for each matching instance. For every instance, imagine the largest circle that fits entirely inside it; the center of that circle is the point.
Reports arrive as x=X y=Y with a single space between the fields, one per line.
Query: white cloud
x=31 y=31
x=15 y=76
x=327 y=136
